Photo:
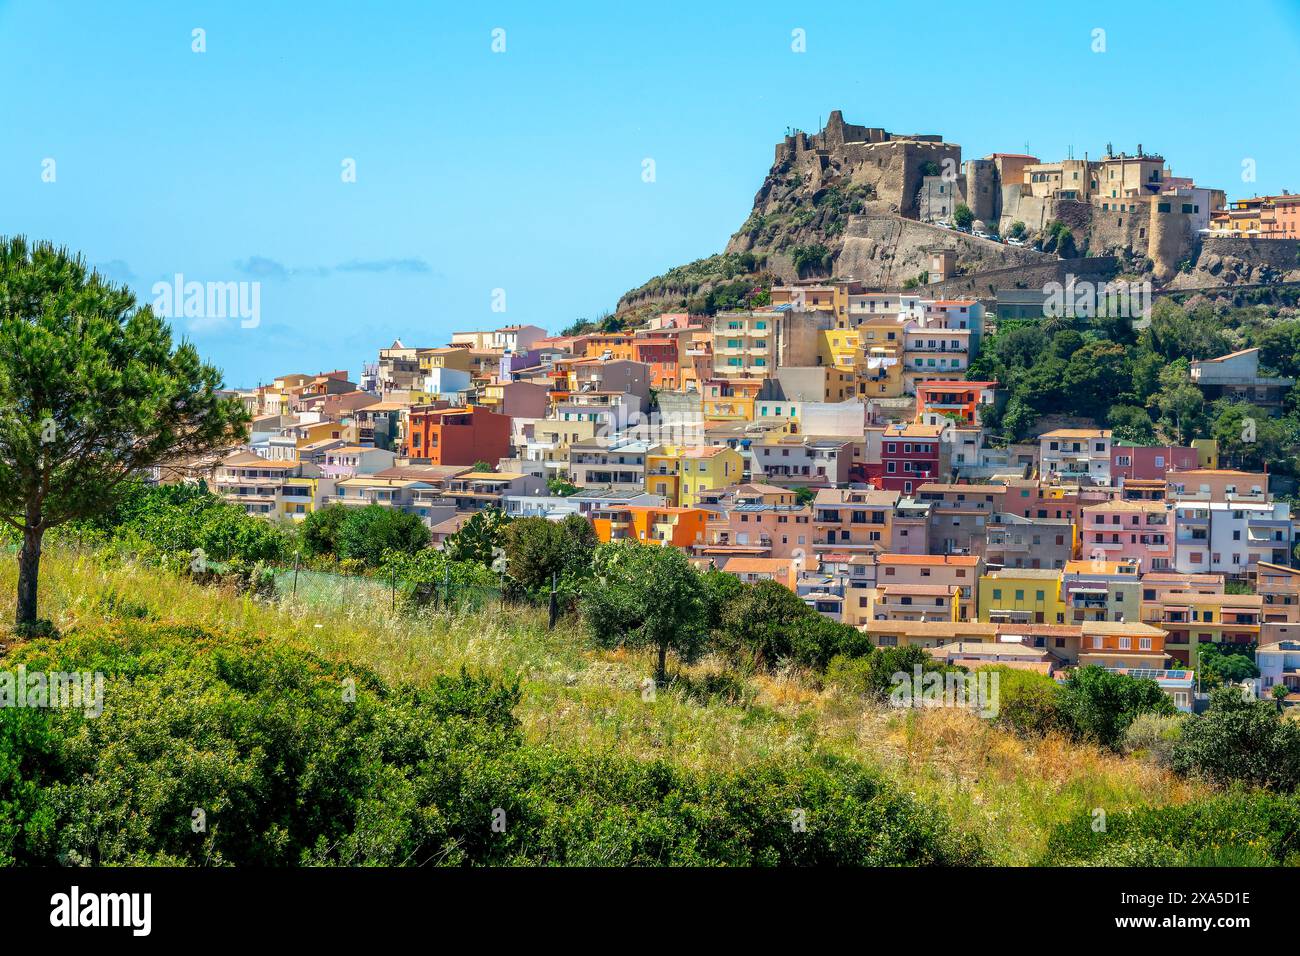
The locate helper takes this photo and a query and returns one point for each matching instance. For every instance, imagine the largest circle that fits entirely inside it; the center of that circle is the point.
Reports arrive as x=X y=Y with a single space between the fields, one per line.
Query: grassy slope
x=1006 y=790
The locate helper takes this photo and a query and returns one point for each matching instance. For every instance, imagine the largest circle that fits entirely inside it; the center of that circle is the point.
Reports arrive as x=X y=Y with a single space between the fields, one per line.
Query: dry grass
x=1007 y=790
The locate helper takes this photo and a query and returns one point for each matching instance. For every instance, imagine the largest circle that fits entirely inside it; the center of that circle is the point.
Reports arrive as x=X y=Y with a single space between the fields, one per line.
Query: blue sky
x=522 y=170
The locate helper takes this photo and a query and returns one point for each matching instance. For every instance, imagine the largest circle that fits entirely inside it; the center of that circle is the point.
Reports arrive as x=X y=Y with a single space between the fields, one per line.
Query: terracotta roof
x=927 y=560
x=758 y=565
x=929 y=628
x=921 y=590
x=1076 y=433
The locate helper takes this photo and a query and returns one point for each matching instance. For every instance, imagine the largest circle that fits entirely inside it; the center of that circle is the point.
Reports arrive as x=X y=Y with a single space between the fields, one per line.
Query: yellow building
x=840 y=348
x=454 y=358
x=1021 y=596
x=300 y=496
x=321 y=431
x=1192 y=619
x=663 y=474
x=881 y=373
x=880 y=366
x=1207 y=452
x=681 y=474
x=730 y=400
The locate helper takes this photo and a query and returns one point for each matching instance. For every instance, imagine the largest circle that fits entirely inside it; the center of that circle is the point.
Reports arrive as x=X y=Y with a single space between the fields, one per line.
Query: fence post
x=295 y=573
x=555 y=603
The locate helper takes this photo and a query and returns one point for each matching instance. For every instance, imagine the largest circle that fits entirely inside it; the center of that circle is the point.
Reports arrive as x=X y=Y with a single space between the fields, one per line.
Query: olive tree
x=643 y=595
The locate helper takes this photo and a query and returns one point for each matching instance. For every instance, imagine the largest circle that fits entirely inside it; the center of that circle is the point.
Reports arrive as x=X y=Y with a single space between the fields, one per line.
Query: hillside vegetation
x=232 y=703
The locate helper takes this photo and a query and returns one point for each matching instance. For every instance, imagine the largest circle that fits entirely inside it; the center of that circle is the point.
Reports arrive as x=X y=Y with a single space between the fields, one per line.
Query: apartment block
x=1075 y=454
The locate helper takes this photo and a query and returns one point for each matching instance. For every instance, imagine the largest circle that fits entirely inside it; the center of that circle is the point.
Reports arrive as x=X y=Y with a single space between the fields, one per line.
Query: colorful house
x=457 y=436
x=1119 y=530
x=682 y=474
x=1021 y=595
x=962 y=401
x=1192 y=619
x=679 y=527
x=911 y=455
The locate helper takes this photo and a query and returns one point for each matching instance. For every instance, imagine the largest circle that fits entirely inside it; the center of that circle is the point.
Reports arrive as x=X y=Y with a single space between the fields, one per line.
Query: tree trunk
x=29 y=569
x=662 y=677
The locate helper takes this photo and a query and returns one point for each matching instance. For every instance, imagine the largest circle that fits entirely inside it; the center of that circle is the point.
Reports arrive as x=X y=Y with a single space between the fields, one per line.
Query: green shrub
x=850 y=674
x=1232 y=830
x=1098 y=705
x=1240 y=741
x=1153 y=736
x=724 y=687
x=295 y=760
x=767 y=623
x=1027 y=702
x=885 y=662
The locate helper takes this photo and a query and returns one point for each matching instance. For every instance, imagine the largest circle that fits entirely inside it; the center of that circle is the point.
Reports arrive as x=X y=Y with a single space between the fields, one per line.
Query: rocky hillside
x=820 y=190
x=844 y=202
x=1231 y=263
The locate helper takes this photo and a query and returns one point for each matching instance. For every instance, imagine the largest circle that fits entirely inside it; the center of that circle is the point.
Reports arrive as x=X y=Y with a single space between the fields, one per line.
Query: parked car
x=1015 y=242
x=981 y=234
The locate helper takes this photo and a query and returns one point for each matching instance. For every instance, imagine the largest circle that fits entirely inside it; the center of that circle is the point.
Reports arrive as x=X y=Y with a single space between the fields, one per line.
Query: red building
x=457 y=436
x=910 y=456
x=660 y=353
x=1149 y=462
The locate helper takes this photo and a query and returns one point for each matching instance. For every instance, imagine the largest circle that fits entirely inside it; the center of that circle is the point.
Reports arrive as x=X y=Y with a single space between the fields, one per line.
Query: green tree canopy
x=1240 y=741
x=479 y=537
x=1100 y=705
x=647 y=596
x=368 y=533
x=537 y=548
x=93 y=390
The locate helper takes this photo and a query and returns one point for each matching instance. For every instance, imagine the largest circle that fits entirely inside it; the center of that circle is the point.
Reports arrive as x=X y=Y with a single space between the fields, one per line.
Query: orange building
x=1122 y=644
x=613 y=345
x=661 y=354
x=456 y=436
x=962 y=400
x=679 y=527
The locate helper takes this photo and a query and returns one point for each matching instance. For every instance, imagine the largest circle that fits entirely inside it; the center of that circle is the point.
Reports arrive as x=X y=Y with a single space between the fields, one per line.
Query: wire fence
x=333 y=589
x=330 y=590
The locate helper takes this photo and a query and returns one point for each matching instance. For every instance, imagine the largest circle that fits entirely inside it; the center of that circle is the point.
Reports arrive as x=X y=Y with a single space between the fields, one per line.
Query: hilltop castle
x=1130 y=206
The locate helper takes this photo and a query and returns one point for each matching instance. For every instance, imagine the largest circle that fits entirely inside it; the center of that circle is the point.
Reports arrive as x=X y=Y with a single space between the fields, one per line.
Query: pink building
x=761 y=530
x=1148 y=462
x=959 y=572
x=1138 y=530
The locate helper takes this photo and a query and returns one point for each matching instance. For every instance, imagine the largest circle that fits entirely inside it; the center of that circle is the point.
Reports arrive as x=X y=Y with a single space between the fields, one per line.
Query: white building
x=1075 y=454
x=443 y=382
x=1219 y=537
x=1279 y=664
